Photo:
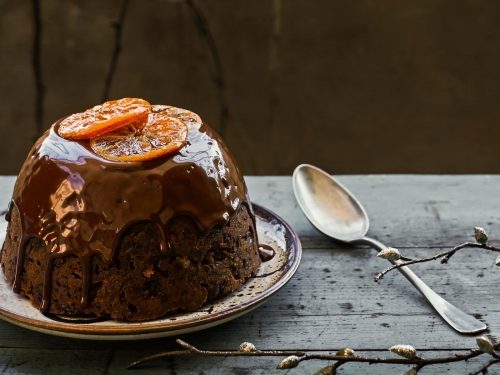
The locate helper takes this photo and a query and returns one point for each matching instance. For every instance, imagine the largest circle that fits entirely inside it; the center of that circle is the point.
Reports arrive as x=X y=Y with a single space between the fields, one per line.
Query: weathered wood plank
x=40 y=361
x=17 y=84
x=404 y=210
x=290 y=97
x=334 y=300
x=87 y=39
x=6 y=186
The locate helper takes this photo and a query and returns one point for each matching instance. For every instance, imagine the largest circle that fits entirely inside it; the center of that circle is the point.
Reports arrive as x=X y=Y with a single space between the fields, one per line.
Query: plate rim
x=88 y=331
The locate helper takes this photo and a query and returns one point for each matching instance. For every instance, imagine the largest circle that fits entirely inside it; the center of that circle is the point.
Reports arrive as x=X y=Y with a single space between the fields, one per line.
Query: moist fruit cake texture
x=148 y=218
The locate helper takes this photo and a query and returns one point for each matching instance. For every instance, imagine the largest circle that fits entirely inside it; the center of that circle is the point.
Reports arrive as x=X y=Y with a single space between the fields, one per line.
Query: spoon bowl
x=328 y=205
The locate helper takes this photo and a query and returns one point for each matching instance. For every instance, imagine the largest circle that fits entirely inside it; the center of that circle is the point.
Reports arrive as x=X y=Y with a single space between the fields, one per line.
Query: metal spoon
x=333 y=210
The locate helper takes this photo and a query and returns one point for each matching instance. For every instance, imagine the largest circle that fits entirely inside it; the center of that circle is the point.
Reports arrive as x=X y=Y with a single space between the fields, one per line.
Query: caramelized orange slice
x=104 y=118
x=161 y=135
x=187 y=117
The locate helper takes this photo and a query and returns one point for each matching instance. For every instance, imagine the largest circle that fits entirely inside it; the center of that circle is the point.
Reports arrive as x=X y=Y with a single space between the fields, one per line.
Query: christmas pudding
x=129 y=211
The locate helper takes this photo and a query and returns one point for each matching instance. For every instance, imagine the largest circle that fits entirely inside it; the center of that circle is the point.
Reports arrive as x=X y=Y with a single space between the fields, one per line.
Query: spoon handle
x=456 y=318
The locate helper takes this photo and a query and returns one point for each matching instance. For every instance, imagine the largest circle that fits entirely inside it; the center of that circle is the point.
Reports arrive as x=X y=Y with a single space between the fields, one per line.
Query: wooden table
x=332 y=301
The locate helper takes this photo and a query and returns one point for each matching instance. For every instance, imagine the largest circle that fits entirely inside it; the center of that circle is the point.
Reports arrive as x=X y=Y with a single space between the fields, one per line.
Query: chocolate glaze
x=78 y=203
x=266 y=252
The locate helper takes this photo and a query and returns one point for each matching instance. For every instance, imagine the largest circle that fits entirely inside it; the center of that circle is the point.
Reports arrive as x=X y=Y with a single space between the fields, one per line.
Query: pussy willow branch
x=297 y=356
x=190 y=350
x=445 y=257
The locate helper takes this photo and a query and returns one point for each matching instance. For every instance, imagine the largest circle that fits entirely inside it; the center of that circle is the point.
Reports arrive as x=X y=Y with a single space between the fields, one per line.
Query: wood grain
x=332 y=301
x=411 y=86
x=404 y=210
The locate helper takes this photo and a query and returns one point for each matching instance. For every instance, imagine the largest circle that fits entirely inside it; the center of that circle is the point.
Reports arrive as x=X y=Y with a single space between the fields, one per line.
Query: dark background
x=352 y=86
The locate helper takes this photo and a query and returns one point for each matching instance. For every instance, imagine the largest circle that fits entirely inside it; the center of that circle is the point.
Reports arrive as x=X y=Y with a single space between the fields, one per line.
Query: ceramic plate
x=273 y=275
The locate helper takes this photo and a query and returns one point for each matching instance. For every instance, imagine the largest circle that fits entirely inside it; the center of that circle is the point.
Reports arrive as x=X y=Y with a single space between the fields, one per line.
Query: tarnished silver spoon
x=334 y=210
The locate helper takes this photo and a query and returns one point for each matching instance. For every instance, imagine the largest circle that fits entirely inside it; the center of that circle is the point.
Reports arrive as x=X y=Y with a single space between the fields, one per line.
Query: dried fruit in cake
x=160 y=135
x=104 y=118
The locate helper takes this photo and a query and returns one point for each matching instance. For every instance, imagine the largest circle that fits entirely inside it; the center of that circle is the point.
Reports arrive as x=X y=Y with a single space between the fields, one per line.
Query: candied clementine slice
x=188 y=117
x=104 y=118
x=160 y=135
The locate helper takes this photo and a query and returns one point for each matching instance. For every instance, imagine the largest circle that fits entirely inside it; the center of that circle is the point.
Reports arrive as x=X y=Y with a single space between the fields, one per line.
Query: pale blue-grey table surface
x=332 y=301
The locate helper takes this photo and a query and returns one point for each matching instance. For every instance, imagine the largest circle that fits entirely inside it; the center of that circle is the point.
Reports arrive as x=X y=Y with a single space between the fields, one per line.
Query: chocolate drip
x=266 y=252
x=47 y=285
x=85 y=263
x=80 y=204
x=20 y=262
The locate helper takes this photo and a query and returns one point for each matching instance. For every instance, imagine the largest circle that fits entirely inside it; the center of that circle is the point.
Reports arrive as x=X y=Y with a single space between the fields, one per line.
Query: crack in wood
x=117 y=48
x=37 y=67
x=274 y=63
x=355 y=314
x=6 y=367
x=202 y=25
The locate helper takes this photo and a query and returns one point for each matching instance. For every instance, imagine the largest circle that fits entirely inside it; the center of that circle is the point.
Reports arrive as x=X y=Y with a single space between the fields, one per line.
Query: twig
x=445 y=257
x=117 y=48
x=190 y=350
x=300 y=356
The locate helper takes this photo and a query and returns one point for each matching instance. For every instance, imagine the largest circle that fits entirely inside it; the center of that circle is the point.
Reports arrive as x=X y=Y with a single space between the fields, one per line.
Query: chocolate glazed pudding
x=130 y=241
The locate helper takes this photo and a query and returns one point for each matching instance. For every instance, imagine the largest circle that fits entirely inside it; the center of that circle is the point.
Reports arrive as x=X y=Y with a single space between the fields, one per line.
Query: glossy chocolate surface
x=79 y=203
